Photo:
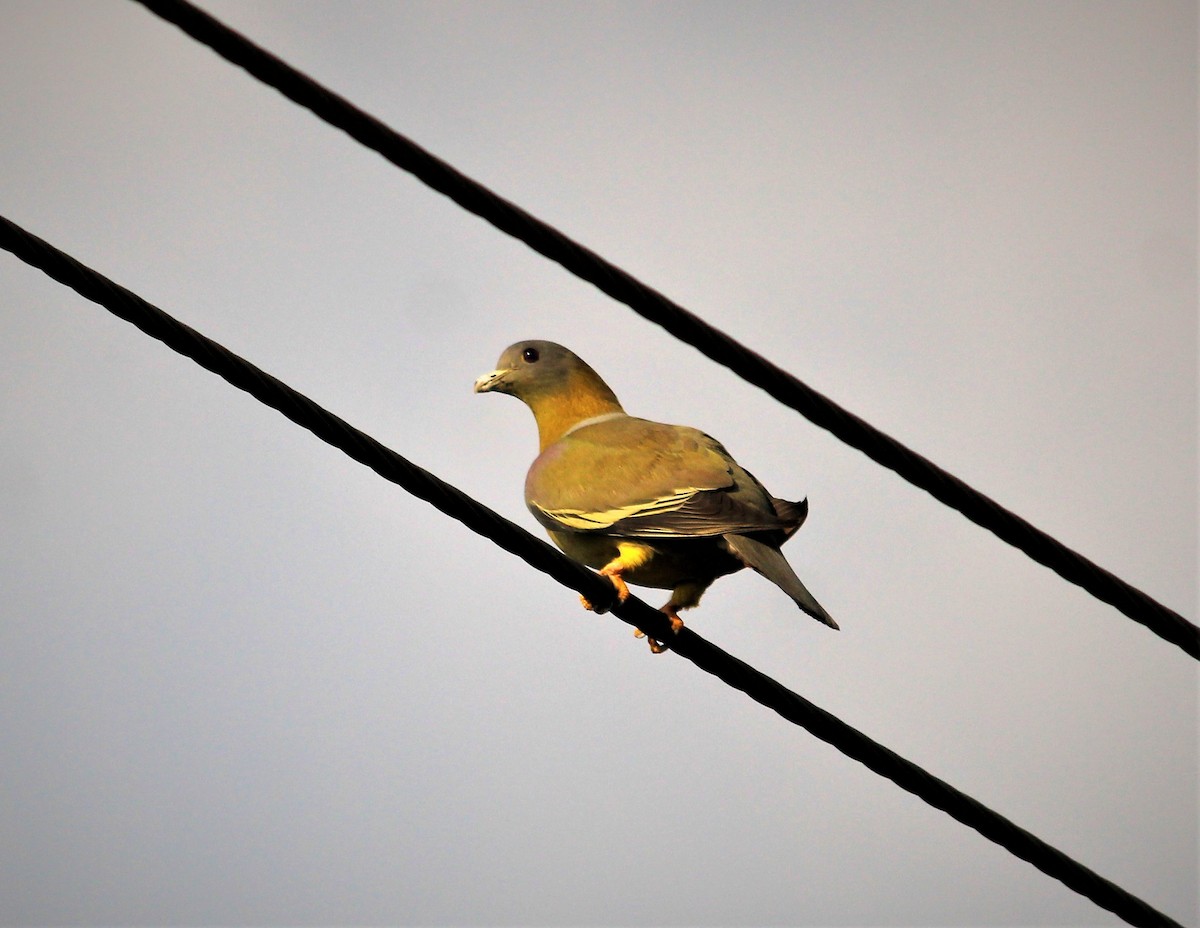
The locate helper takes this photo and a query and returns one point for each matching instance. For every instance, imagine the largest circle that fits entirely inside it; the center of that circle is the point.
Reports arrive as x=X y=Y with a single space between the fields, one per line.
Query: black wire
x=453 y=502
x=681 y=323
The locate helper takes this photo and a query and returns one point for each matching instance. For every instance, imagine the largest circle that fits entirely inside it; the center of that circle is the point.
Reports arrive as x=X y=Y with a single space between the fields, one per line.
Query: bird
x=642 y=502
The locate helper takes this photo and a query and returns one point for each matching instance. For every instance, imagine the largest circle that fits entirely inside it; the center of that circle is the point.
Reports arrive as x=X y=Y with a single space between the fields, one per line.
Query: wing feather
x=635 y=478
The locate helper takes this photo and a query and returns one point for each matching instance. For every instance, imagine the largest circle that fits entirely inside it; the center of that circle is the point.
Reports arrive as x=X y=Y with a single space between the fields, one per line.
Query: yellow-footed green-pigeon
x=663 y=506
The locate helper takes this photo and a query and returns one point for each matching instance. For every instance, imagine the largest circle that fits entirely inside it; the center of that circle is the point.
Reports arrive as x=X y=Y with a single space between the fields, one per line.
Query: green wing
x=635 y=478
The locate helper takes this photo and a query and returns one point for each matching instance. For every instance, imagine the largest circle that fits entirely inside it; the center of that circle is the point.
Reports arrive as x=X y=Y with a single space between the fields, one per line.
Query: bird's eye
x=530 y=355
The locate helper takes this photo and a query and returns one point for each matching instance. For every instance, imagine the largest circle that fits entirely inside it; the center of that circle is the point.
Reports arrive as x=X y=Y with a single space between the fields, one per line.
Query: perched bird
x=663 y=506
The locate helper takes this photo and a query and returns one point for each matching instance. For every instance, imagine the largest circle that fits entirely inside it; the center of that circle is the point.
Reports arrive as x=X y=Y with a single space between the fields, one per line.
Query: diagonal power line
x=453 y=502
x=681 y=323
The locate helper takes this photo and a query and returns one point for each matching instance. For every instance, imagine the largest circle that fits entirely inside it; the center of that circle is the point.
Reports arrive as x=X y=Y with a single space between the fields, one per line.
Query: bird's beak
x=492 y=381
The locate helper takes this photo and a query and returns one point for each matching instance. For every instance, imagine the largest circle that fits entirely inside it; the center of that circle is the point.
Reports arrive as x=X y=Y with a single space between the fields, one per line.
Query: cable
x=477 y=517
x=681 y=323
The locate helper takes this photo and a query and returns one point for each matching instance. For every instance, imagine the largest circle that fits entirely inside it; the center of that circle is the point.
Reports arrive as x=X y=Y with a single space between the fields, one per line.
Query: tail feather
x=792 y=514
x=771 y=563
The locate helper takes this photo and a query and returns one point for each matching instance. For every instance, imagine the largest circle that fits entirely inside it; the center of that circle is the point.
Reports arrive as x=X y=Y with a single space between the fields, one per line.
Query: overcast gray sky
x=245 y=681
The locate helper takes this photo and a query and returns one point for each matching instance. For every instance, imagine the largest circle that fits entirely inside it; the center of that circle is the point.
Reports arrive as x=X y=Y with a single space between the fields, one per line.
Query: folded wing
x=636 y=478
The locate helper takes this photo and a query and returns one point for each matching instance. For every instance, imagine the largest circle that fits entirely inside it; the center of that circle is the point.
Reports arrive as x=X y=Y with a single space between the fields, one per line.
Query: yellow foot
x=658 y=647
x=618 y=582
x=622 y=591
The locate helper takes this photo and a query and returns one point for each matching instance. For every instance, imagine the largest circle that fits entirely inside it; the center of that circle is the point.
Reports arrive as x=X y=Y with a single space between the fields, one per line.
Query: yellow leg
x=673 y=616
x=685 y=596
x=630 y=556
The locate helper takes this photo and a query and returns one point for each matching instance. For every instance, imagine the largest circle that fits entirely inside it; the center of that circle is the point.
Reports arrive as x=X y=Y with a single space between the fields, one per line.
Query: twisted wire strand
x=453 y=502
x=684 y=325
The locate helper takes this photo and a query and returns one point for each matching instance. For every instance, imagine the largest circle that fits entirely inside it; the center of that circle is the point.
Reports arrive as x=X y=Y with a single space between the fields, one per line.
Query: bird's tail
x=791 y=514
x=771 y=563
